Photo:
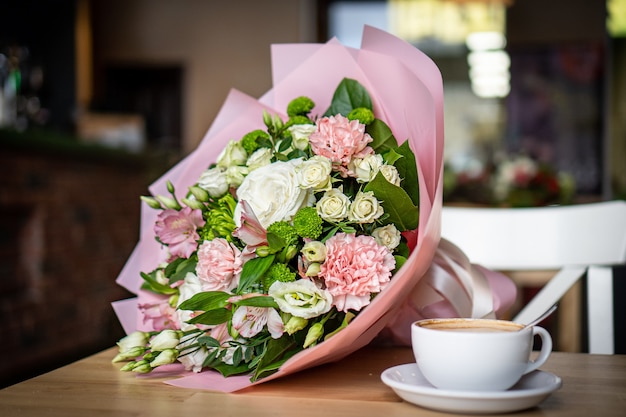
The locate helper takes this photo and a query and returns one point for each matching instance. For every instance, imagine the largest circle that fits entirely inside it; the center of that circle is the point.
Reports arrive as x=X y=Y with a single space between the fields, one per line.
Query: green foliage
x=349 y=95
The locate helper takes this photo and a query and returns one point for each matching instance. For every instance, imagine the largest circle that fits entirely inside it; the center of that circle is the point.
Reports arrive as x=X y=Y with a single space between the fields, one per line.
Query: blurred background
x=100 y=97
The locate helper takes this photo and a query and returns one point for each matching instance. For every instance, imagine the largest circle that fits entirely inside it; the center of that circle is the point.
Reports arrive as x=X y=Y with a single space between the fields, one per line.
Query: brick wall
x=68 y=222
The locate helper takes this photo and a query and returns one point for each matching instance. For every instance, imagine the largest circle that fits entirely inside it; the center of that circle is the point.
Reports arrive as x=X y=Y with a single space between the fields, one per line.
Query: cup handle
x=546 y=349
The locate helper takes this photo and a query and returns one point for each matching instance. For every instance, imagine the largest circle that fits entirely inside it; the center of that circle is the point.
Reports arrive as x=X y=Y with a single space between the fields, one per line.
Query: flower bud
x=152 y=202
x=313 y=335
x=289 y=252
x=263 y=251
x=131 y=353
x=170 y=186
x=267 y=118
x=142 y=367
x=128 y=366
x=295 y=324
x=136 y=338
x=194 y=204
x=164 y=358
x=314 y=251
x=199 y=193
x=168 y=202
x=167 y=339
x=313 y=270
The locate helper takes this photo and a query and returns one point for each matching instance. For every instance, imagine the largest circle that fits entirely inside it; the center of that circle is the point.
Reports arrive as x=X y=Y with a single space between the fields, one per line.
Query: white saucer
x=409 y=383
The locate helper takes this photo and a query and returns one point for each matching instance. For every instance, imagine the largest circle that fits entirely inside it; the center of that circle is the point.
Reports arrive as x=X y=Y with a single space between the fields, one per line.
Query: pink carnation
x=340 y=140
x=177 y=229
x=355 y=268
x=219 y=265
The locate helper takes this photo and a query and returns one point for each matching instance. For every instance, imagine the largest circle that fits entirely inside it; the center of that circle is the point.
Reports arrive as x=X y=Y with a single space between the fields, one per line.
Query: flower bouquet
x=294 y=233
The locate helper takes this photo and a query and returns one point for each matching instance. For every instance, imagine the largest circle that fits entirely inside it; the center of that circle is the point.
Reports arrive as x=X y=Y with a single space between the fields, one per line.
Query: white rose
x=388 y=236
x=259 y=158
x=315 y=173
x=333 y=206
x=391 y=174
x=365 y=208
x=235 y=175
x=301 y=298
x=273 y=193
x=214 y=181
x=365 y=169
x=232 y=154
x=300 y=135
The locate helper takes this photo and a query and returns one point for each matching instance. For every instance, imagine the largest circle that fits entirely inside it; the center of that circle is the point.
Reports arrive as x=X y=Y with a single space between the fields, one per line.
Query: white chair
x=577 y=239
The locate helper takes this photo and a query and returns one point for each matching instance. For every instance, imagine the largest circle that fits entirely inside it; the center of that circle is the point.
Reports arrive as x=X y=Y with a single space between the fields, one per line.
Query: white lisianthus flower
x=259 y=158
x=235 y=175
x=314 y=251
x=365 y=208
x=133 y=340
x=213 y=181
x=192 y=358
x=301 y=298
x=388 y=236
x=391 y=174
x=300 y=135
x=365 y=169
x=333 y=206
x=191 y=286
x=232 y=154
x=273 y=193
x=165 y=357
x=315 y=173
x=166 y=339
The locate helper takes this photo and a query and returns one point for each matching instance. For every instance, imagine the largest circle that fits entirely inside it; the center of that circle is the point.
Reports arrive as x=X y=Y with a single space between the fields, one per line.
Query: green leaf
x=383 y=139
x=229 y=370
x=391 y=156
x=396 y=203
x=208 y=341
x=407 y=169
x=153 y=285
x=178 y=269
x=349 y=95
x=284 y=144
x=277 y=352
x=275 y=242
x=212 y=317
x=253 y=271
x=206 y=301
x=259 y=301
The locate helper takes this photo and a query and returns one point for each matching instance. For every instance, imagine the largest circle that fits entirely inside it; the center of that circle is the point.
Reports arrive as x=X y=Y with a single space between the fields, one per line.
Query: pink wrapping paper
x=407 y=92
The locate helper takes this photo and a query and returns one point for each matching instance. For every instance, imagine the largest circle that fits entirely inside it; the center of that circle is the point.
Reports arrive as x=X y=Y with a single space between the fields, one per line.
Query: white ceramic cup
x=476 y=354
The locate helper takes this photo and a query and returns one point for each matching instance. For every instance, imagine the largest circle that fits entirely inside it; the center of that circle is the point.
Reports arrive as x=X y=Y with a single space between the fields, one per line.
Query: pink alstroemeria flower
x=251 y=232
x=177 y=229
x=249 y=321
x=160 y=314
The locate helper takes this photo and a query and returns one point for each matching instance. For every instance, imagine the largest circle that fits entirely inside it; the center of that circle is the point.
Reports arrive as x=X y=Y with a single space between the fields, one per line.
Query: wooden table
x=593 y=385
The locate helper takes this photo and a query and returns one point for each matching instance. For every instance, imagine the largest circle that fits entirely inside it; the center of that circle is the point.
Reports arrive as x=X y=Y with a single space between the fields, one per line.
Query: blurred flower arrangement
x=280 y=243
x=515 y=181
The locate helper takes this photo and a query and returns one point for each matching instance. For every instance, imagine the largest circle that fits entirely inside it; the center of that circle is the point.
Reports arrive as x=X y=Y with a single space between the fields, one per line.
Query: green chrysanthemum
x=252 y=140
x=361 y=114
x=219 y=220
x=285 y=231
x=300 y=106
x=278 y=272
x=308 y=223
